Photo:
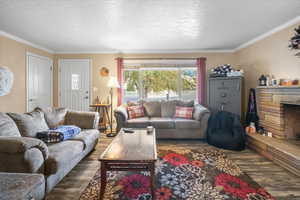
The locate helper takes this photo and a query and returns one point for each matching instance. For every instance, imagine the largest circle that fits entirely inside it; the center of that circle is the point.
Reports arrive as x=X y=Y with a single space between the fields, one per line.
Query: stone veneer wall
x=276 y=117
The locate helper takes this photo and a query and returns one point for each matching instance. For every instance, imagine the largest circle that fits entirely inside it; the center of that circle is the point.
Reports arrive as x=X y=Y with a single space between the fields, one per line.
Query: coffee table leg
x=152 y=176
x=103 y=180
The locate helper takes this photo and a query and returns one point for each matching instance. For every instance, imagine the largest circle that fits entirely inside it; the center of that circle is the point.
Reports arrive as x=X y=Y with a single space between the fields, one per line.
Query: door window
x=75 y=82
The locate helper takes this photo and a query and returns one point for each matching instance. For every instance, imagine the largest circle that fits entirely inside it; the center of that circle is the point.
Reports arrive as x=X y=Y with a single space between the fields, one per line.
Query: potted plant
x=295 y=41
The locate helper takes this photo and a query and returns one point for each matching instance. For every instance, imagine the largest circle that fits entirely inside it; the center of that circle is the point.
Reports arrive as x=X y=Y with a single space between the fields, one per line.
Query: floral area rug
x=182 y=173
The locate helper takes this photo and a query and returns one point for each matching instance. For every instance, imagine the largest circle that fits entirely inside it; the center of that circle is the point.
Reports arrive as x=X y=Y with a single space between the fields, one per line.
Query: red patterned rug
x=182 y=173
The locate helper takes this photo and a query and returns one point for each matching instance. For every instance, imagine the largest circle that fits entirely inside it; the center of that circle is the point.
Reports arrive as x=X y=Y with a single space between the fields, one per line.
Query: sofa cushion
x=142 y=122
x=186 y=123
x=153 y=108
x=162 y=122
x=168 y=108
x=54 y=116
x=7 y=126
x=61 y=154
x=185 y=103
x=30 y=124
x=87 y=136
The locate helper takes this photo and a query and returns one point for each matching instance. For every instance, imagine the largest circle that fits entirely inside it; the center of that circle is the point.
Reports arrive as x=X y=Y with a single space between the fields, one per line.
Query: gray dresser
x=225 y=93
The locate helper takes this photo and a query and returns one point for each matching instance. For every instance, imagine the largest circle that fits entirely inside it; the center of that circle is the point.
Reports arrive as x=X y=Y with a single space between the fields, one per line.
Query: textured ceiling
x=143 y=25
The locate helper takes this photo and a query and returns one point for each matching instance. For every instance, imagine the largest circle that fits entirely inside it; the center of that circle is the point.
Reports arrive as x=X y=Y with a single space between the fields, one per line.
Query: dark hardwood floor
x=279 y=182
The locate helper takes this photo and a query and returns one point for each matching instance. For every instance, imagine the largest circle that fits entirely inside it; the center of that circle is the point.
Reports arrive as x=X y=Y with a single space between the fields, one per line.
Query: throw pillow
x=168 y=108
x=8 y=127
x=135 y=111
x=54 y=116
x=185 y=103
x=153 y=108
x=30 y=124
x=184 y=112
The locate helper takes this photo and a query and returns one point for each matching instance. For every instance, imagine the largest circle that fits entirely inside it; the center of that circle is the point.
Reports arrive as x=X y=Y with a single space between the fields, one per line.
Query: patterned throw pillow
x=184 y=112
x=135 y=111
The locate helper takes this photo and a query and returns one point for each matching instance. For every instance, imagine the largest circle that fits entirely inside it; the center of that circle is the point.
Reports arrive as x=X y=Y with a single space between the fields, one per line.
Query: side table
x=102 y=109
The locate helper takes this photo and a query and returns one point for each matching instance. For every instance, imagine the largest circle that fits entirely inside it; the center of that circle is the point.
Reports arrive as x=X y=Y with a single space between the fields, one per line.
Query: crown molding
x=18 y=39
x=267 y=34
x=86 y=52
x=175 y=51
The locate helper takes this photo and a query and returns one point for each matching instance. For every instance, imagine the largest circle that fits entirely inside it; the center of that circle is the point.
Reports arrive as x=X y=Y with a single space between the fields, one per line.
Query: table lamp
x=112 y=83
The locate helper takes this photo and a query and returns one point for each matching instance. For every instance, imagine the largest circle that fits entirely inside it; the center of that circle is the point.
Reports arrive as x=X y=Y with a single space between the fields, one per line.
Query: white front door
x=75 y=84
x=39 y=81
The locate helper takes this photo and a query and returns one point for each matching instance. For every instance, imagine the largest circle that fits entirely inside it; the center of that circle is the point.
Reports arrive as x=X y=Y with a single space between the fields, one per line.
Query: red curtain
x=201 y=82
x=120 y=67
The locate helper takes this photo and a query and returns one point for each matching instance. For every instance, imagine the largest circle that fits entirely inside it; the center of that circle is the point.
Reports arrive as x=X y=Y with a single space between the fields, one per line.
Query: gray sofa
x=21 y=152
x=160 y=114
x=20 y=186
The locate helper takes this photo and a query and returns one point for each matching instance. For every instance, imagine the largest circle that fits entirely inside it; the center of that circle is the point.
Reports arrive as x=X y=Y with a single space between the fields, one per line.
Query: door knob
x=86 y=97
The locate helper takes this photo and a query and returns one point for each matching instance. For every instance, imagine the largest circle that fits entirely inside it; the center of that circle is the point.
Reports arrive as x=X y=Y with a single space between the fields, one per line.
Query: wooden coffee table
x=130 y=152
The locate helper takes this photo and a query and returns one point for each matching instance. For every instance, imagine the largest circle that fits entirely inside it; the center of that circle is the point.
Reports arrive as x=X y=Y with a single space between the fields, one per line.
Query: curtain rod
x=159 y=58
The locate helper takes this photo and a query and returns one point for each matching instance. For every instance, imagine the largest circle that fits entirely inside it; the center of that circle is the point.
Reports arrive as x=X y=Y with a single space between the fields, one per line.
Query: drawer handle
x=222 y=105
x=223 y=95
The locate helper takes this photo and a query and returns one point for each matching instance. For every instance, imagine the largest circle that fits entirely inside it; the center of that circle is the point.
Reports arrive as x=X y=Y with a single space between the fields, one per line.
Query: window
x=158 y=83
x=75 y=82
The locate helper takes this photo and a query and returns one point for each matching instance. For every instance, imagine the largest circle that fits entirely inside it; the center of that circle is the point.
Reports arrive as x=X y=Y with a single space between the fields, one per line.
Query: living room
x=149 y=100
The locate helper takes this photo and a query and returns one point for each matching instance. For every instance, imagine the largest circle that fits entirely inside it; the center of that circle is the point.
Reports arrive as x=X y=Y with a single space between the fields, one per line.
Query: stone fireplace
x=279 y=113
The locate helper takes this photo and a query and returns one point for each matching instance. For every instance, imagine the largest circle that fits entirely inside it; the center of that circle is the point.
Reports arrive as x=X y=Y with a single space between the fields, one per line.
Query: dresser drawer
x=224 y=85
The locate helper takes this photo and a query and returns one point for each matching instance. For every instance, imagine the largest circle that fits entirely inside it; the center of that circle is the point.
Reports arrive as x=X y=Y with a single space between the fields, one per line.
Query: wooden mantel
x=274 y=112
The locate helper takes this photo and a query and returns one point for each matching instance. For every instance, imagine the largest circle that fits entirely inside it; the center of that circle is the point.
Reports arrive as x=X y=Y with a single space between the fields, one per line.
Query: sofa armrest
x=22 y=154
x=121 y=110
x=199 y=112
x=121 y=116
x=22 y=144
x=84 y=120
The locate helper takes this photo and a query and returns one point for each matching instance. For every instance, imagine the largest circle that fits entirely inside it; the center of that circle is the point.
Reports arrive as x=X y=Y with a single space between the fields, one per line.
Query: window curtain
x=201 y=82
x=120 y=68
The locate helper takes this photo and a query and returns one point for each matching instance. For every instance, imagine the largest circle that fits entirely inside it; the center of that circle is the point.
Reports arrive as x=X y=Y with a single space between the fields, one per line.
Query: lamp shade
x=113 y=82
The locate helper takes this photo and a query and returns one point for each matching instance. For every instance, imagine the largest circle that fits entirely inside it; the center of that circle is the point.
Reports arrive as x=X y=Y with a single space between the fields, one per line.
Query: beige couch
x=160 y=114
x=21 y=152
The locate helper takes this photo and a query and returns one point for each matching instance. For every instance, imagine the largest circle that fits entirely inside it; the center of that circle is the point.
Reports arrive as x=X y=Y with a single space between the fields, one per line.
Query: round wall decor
x=6 y=81
x=104 y=71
